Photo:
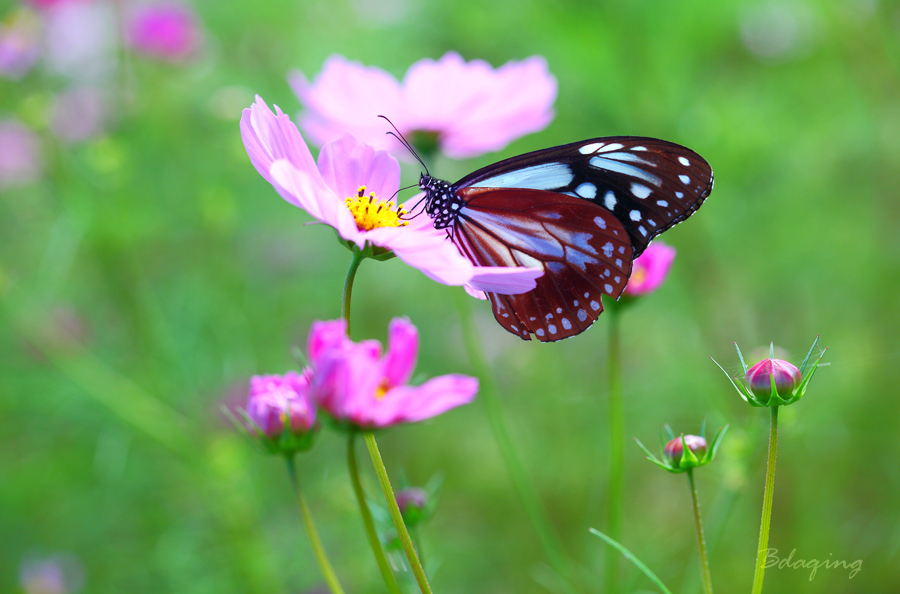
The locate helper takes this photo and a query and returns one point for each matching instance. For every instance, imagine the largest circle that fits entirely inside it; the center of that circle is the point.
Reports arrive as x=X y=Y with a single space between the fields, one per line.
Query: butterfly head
x=441 y=202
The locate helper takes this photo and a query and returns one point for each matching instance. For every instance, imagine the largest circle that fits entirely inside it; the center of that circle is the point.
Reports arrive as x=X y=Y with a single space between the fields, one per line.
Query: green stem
x=615 y=493
x=701 y=542
x=391 y=500
x=488 y=396
x=321 y=557
x=348 y=286
x=368 y=522
x=766 y=520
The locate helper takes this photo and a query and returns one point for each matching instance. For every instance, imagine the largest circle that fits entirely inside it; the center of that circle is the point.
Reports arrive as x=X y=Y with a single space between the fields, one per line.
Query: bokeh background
x=147 y=270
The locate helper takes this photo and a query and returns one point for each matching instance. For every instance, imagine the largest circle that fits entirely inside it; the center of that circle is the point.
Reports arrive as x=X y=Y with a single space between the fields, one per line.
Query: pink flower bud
x=412 y=503
x=674 y=449
x=275 y=399
x=759 y=379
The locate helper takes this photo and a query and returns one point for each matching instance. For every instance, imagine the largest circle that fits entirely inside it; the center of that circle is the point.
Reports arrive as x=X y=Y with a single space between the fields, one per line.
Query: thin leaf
x=630 y=556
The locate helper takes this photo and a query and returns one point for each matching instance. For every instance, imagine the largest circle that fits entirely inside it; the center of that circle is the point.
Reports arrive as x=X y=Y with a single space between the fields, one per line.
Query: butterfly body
x=581 y=211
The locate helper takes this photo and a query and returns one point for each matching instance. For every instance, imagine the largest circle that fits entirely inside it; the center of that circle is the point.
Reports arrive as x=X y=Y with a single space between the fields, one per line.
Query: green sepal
x=654 y=459
x=287 y=443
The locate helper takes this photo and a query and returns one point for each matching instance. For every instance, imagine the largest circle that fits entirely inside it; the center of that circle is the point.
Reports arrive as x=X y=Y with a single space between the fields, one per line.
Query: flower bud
x=675 y=449
x=413 y=505
x=280 y=412
x=759 y=379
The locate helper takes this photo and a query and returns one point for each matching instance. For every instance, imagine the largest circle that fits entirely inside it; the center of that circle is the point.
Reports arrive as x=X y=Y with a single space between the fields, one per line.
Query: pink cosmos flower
x=351 y=188
x=79 y=114
x=469 y=107
x=20 y=160
x=20 y=37
x=167 y=31
x=357 y=385
x=650 y=269
x=277 y=401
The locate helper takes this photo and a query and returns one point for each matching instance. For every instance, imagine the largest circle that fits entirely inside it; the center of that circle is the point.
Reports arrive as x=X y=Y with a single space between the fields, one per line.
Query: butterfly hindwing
x=648 y=184
x=584 y=250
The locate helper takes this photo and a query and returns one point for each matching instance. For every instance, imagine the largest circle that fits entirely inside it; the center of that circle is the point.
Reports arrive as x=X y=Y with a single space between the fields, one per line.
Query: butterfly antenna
x=396 y=134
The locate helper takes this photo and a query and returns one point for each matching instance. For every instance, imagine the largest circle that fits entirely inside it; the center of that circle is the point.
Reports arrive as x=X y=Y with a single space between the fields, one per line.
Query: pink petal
x=505 y=281
x=409 y=404
x=348 y=96
x=403 y=348
x=650 y=269
x=269 y=137
x=309 y=192
x=431 y=253
x=347 y=164
x=325 y=335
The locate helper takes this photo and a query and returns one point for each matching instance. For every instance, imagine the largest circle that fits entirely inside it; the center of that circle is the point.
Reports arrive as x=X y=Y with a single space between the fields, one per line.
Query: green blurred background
x=150 y=270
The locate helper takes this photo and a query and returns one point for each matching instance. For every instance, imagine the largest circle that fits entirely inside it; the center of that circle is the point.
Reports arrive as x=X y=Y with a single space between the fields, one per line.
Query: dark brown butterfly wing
x=584 y=250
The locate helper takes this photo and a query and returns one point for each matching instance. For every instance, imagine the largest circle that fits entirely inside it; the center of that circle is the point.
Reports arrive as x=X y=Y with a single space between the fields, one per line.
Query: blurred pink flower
x=275 y=399
x=58 y=574
x=20 y=160
x=166 y=30
x=470 y=107
x=650 y=269
x=351 y=189
x=81 y=40
x=78 y=114
x=20 y=43
x=356 y=385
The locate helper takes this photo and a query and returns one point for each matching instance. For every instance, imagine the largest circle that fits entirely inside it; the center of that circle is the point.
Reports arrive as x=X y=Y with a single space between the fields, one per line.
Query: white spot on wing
x=595 y=306
x=600 y=222
x=608 y=289
x=547 y=176
x=608 y=252
x=539 y=331
x=558 y=310
x=635 y=215
x=684 y=179
x=621 y=251
x=609 y=200
x=551 y=328
x=586 y=190
x=679 y=194
x=639 y=148
x=642 y=230
x=611 y=147
x=640 y=191
x=590 y=148
x=582 y=315
x=684 y=161
x=566 y=324
x=662 y=203
x=625 y=169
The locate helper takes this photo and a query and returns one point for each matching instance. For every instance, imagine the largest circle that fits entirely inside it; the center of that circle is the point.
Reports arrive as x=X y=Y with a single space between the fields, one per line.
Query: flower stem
x=348 y=286
x=321 y=557
x=368 y=522
x=391 y=500
x=701 y=542
x=488 y=396
x=766 y=520
x=614 y=493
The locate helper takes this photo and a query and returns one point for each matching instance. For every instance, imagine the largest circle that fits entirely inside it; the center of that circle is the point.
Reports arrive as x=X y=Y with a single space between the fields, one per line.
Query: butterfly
x=581 y=211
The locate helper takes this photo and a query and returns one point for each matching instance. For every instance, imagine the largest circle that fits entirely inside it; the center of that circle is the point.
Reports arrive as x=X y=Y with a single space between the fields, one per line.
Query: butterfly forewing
x=584 y=250
x=648 y=184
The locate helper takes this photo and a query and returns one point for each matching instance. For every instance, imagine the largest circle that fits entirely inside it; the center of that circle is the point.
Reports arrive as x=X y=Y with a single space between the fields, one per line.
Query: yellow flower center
x=372 y=213
x=638 y=275
x=381 y=390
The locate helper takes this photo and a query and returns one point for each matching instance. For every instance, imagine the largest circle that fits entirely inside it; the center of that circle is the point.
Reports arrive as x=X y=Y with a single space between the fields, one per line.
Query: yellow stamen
x=638 y=275
x=381 y=390
x=372 y=213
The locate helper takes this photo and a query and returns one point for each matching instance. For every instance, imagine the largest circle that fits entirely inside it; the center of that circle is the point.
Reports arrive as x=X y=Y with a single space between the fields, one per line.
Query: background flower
x=466 y=108
x=20 y=160
x=20 y=36
x=356 y=385
x=279 y=401
x=650 y=269
x=167 y=30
